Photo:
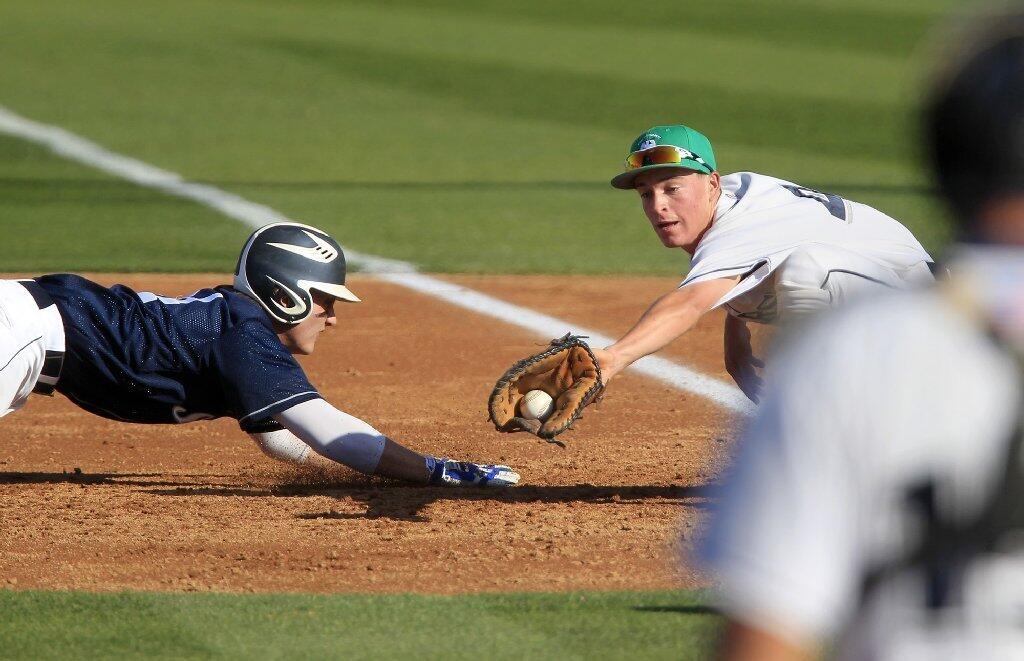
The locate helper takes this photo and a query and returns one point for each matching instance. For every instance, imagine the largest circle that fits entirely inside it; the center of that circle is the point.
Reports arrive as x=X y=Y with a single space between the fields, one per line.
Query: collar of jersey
x=725 y=202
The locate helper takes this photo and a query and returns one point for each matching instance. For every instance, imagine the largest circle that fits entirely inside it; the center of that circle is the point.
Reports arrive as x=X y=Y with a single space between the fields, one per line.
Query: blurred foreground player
x=876 y=508
x=225 y=351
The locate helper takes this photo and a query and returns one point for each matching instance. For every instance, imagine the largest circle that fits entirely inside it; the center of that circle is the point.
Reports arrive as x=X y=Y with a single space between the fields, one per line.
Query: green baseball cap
x=692 y=152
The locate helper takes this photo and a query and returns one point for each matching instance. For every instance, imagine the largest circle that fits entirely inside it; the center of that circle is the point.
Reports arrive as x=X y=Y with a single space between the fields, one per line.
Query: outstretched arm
x=668 y=317
x=348 y=440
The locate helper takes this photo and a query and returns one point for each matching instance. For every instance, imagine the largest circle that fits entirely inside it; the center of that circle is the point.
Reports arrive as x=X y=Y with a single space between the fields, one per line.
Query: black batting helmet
x=288 y=261
x=974 y=118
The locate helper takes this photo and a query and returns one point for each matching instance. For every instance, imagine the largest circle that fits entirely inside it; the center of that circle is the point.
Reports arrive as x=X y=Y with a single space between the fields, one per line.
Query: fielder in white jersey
x=765 y=249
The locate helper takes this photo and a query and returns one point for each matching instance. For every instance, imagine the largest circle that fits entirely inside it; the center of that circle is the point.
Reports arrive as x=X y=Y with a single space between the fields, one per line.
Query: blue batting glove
x=448 y=472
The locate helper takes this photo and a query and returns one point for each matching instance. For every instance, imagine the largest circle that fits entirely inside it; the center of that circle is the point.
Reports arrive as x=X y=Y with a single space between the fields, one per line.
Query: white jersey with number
x=871 y=409
x=761 y=222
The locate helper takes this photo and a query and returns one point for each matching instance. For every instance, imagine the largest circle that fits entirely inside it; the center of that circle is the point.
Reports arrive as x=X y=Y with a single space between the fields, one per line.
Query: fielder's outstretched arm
x=668 y=317
x=348 y=440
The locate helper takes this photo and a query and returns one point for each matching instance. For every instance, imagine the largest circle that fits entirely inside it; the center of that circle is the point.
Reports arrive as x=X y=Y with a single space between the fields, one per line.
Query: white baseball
x=536 y=405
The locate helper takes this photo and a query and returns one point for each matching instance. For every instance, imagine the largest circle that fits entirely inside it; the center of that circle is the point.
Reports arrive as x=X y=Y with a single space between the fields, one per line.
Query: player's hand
x=452 y=473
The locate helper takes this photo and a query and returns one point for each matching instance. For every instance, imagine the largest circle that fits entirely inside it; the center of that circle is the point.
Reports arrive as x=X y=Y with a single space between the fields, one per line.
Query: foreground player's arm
x=740 y=362
x=668 y=317
x=741 y=642
x=348 y=440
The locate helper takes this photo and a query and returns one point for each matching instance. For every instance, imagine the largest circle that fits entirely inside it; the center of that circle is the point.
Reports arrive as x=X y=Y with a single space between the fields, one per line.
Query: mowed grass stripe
x=627 y=51
x=58 y=216
x=636 y=625
x=453 y=136
x=616 y=101
x=850 y=26
x=560 y=97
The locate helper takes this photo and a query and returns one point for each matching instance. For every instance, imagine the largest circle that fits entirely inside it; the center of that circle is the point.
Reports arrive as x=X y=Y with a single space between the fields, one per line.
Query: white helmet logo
x=322 y=252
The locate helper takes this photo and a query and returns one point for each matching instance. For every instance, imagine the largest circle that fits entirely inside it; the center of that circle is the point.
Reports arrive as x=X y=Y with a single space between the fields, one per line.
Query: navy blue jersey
x=139 y=357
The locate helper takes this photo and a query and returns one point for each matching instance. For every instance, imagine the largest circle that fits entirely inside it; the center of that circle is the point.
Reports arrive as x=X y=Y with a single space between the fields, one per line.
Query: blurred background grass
x=462 y=136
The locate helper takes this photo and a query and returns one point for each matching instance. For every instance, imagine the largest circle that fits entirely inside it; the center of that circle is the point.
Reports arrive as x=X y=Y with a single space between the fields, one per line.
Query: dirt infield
x=87 y=503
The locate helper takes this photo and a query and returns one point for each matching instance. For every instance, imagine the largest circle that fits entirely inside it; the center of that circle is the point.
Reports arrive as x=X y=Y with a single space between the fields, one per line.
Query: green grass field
x=463 y=136
x=612 y=625
x=459 y=135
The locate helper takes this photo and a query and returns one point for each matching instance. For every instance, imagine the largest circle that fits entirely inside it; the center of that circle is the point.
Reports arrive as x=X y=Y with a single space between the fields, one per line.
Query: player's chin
x=670 y=241
x=305 y=348
x=670 y=236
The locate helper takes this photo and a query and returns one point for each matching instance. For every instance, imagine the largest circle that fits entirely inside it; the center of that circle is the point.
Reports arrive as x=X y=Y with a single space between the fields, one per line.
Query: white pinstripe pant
x=22 y=345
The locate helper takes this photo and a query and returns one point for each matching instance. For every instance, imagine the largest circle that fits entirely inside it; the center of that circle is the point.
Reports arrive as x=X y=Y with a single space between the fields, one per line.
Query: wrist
x=435 y=469
x=610 y=362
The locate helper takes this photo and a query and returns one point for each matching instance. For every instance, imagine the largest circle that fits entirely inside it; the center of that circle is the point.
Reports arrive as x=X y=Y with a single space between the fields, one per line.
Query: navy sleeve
x=259 y=377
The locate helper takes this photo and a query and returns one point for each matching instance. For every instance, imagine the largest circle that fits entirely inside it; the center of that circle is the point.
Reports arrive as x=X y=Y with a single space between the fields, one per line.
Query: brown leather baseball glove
x=567 y=370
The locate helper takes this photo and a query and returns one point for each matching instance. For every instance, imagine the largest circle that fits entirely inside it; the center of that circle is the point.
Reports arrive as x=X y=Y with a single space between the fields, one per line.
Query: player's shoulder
x=246 y=315
x=741 y=184
x=251 y=331
x=874 y=354
x=890 y=326
x=744 y=193
x=899 y=309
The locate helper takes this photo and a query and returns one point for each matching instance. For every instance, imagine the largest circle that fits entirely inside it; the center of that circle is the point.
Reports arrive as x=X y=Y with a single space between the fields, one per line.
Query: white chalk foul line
x=76 y=148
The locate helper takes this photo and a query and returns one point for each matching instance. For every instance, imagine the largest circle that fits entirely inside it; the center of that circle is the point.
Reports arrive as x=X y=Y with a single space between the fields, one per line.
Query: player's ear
x=714 y=183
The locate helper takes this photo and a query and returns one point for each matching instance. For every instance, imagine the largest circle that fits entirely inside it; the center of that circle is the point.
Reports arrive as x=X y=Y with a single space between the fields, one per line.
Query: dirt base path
x=87 y=503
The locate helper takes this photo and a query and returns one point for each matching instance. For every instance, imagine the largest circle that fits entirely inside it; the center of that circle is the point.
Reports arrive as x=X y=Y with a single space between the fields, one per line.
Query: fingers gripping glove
x=567 y=370
x=448 y=472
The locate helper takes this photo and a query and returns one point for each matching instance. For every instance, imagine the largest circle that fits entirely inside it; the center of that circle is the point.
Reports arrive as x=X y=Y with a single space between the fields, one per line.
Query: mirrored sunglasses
x=662 y=155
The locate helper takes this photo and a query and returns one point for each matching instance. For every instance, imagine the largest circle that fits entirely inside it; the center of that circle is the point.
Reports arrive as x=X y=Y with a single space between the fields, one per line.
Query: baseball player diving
x=766 y=250
x=226 y=351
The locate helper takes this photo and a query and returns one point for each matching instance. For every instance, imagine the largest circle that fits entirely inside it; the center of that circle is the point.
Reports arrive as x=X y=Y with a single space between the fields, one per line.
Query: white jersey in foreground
x=770 y=230
x=872 y=408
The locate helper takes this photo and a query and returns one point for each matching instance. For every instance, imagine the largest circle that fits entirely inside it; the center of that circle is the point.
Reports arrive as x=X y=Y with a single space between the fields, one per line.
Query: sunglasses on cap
x=663 y=155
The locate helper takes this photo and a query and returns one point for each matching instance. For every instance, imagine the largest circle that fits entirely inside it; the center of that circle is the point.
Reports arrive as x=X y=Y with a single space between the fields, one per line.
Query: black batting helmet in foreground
x=287 y=261
x=974 y=118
